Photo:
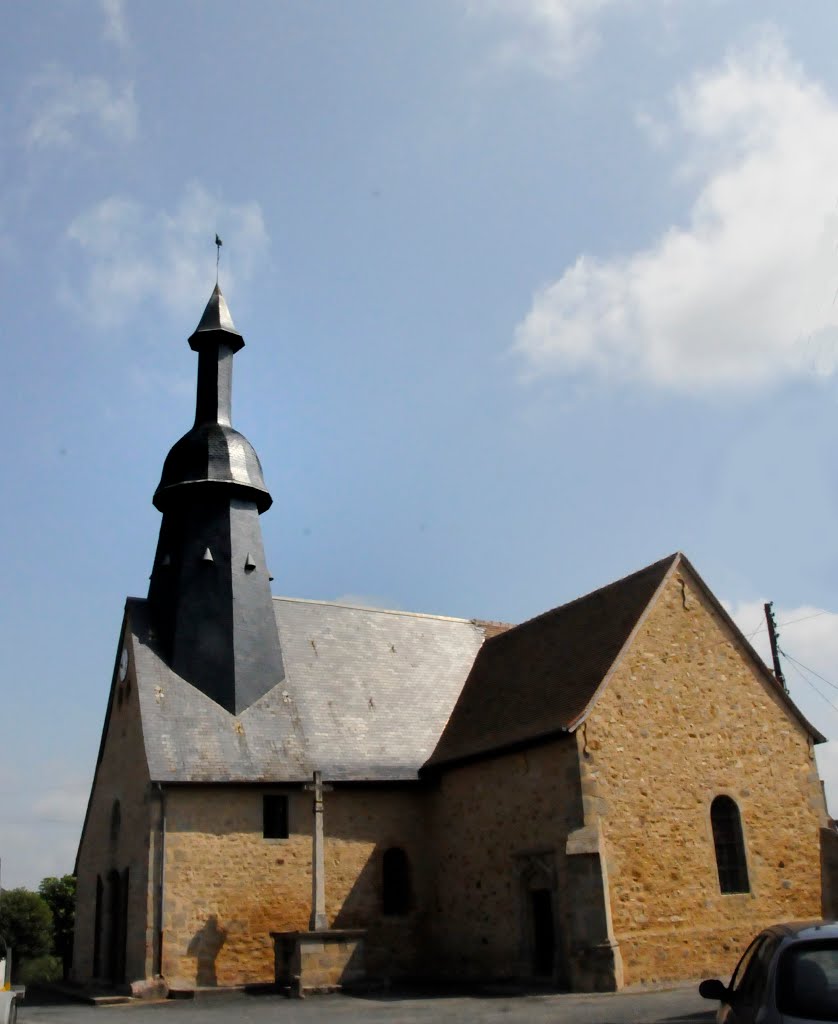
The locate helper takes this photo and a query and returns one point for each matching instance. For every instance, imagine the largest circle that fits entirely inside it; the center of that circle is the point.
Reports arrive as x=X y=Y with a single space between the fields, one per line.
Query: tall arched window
x=395 y=882
x=730 y=846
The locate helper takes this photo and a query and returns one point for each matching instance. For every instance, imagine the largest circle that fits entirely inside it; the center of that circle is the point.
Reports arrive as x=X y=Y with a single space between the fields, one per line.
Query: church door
x=543 y=933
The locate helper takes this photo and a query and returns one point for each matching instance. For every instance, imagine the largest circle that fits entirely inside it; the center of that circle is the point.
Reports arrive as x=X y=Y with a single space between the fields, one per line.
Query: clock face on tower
x=123 y=664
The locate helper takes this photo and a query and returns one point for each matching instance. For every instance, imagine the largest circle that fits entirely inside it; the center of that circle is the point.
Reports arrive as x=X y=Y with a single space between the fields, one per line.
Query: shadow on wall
x=205 y=946
x=361 y=907
x=393 y=938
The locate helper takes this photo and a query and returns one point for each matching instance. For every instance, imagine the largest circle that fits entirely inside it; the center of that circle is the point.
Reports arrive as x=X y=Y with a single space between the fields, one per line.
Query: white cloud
x=115 y=30
x=133 y=256
x=32 y=853
x=64 y=106
x=743 y=295
x=63 y=805
x=550 y=37
x=808 y=635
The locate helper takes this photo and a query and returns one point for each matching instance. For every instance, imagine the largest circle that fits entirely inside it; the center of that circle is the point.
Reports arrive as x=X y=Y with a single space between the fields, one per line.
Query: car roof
x=803 y=930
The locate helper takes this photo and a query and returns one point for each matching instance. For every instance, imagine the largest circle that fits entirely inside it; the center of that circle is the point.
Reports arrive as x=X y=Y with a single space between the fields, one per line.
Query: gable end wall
x=121 y=775
x=686 y=717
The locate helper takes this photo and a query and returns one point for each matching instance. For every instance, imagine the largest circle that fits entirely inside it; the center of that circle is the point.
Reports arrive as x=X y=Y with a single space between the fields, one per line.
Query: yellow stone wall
x=488 y=818
x=227 y=888
x=687 y=717
x=122 y=775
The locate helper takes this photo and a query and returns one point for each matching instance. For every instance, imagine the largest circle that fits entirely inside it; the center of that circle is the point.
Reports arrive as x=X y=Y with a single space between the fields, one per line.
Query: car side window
x=744 y=975
x=754 y=978
x=758 y=975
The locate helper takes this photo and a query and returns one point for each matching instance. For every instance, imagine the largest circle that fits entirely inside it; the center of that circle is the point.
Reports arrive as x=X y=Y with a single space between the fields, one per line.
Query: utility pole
x=775 y=644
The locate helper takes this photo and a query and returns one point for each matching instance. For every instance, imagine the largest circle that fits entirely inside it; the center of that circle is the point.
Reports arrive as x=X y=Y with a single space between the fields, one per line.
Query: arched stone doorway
x=541 y=946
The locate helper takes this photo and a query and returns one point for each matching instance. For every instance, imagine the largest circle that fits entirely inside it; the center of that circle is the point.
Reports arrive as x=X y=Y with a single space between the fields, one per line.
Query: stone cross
x=319 y=921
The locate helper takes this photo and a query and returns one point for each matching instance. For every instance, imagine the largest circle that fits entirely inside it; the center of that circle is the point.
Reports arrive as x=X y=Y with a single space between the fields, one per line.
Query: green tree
x=25 y=924
x=60 y=894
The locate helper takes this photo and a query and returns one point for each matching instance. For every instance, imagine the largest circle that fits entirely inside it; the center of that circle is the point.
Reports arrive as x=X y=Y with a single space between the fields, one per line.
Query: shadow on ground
x=36 y=995
x=404 y=992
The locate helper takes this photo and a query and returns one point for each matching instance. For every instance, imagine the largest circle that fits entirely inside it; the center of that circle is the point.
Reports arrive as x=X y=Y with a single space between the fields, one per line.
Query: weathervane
x=218 y=244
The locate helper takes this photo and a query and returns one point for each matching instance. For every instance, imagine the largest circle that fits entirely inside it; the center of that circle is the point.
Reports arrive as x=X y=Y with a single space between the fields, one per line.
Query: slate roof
x=374 y=695
x=366 y=694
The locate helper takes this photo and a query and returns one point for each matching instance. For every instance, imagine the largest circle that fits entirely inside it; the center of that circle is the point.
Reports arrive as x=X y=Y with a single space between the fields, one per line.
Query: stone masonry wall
x=227 y=888
x=494 y=822
x=123 y=776
x=687 y=717
x=829 y=872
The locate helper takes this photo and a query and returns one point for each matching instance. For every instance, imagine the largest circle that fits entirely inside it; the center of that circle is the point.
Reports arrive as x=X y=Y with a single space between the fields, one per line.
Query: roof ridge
x=370 y=608
x=474 y=621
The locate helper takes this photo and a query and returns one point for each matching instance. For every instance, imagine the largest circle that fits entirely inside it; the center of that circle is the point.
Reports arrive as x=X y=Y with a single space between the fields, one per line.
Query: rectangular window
x=275 y=817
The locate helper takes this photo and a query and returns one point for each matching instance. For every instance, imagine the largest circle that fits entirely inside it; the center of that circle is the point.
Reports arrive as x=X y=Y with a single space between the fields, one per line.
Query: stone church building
x=616 y=791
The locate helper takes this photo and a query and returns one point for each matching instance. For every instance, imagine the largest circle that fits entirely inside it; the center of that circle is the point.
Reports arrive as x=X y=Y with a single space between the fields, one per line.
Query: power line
x=782 y=625
x=823 y=679
x=810 y=683
x=804 y=618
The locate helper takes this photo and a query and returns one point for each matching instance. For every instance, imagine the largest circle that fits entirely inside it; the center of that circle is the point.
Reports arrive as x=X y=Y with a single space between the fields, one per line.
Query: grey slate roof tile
x=373 y=695
x=366 y=695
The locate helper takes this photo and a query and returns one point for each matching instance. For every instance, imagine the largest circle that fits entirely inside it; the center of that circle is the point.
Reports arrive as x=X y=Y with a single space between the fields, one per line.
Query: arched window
x=730 y=846
x=395 y=882
x=116 y=820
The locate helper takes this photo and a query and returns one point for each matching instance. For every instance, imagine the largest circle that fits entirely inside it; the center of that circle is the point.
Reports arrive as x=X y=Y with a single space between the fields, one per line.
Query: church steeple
x=209 y=592
x=215 y=340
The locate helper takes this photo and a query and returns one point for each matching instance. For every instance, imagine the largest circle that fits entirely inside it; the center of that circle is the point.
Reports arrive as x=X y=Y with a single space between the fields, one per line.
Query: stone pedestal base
x=319 y=961
x=597 y=969
x=150 y=988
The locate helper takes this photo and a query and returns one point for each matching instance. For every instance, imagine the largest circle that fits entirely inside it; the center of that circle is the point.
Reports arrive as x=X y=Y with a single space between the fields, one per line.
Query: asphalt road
x=673 y=1006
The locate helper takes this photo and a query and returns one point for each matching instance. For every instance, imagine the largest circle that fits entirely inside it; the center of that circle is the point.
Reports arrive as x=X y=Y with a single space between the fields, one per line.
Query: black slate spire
x=209 y=592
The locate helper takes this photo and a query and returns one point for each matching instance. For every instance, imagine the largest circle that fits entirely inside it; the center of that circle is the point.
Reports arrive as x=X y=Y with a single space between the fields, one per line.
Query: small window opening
x=730 y=845
x=275 y=817
x=116 y=820
x=395 y=882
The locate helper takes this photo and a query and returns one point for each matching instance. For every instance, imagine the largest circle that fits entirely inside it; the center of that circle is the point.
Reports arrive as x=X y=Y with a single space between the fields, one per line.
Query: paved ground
x=675 y=1006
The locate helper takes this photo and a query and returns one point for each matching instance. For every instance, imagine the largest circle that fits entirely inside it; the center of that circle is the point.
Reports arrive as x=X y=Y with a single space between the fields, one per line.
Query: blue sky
x=534 y=293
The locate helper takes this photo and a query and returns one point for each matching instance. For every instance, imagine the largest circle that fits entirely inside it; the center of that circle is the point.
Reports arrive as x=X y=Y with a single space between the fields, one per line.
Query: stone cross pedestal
x=319 y=920
x=323 y=959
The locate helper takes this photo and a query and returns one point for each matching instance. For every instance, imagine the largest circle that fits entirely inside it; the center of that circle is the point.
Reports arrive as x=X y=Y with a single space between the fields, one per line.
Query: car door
x=750 y=980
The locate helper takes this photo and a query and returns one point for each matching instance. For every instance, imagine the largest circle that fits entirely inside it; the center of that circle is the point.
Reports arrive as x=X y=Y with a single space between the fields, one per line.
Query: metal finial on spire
x=218 y=244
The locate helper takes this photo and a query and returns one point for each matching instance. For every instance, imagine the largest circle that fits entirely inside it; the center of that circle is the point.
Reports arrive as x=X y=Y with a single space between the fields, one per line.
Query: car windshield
x=807 y=980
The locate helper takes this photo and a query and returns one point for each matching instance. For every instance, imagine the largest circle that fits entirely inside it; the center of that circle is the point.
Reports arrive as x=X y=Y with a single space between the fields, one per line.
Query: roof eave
x=432 y=768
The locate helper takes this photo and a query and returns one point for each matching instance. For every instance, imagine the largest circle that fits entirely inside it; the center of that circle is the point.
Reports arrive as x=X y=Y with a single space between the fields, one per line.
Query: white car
x=789 y=973
x=8 y=1006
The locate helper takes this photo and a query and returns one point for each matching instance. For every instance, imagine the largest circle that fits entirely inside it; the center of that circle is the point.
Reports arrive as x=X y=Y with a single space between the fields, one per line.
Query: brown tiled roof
x=538 y=678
